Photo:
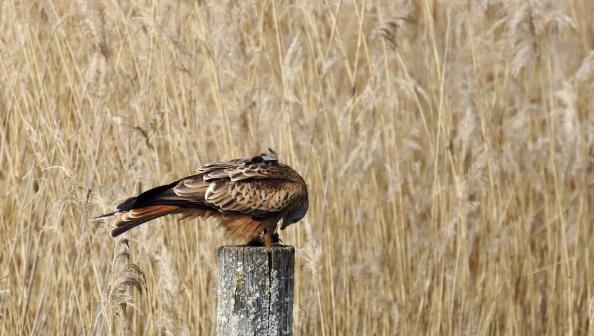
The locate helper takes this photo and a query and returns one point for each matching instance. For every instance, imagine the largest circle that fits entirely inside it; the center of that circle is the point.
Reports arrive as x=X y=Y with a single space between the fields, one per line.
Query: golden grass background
x=447 y=146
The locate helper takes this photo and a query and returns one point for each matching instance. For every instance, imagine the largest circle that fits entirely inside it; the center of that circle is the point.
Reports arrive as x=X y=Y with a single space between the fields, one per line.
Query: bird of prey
x=250 y=197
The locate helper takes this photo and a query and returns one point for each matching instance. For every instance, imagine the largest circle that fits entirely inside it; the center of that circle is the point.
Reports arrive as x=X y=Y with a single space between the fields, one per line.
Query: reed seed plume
x=125 y=277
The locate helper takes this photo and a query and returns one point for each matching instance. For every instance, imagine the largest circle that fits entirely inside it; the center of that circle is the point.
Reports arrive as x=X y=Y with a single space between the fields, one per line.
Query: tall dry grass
x=448 y=148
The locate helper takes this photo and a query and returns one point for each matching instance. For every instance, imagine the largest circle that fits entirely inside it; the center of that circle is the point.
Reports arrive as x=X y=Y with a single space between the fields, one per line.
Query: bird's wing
x=263 y=166
x=257 y=198
x=257 y=170
x=252 y=187
x=220 y=165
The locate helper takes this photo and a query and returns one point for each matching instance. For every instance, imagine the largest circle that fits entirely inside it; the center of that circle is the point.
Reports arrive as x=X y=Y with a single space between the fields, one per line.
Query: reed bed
x=447 y=145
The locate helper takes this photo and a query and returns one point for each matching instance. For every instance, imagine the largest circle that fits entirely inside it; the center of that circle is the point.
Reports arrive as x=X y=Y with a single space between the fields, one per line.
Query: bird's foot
x=276 y=240
x=256 y=241
x=266 y=240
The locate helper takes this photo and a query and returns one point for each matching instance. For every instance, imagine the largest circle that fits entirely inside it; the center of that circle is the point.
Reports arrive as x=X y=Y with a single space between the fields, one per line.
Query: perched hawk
x=250 y=197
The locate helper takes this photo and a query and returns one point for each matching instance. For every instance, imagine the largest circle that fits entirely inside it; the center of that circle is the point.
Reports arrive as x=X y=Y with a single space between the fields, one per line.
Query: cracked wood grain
x=255 y=295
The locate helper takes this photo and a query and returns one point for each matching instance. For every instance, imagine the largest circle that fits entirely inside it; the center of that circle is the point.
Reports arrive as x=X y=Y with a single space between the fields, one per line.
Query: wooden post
x=255 y=291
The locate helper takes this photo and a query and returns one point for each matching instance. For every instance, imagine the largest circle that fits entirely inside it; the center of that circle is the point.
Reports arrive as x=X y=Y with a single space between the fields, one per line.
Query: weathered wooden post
x=255 y=291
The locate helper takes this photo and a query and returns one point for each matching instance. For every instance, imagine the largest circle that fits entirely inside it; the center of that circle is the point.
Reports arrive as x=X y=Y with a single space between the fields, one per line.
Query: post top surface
x=257 y=248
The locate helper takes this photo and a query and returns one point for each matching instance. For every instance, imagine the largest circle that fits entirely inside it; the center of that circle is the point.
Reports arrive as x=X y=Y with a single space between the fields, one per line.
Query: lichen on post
x=255 y=290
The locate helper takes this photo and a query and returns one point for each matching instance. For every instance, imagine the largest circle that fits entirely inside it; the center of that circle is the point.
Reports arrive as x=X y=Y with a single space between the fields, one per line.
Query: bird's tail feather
x=125 y=221
x=103 y=216
x=149 y=205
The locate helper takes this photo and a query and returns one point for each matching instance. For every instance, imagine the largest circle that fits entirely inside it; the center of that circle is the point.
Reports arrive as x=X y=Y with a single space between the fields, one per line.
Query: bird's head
x=295 y=215
x=270 y=156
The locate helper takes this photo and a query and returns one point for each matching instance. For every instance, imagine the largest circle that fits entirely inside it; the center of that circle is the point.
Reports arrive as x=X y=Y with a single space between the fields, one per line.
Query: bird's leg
x=276 y=239
x=256 y=240
x=271 y=238
x=268 y=239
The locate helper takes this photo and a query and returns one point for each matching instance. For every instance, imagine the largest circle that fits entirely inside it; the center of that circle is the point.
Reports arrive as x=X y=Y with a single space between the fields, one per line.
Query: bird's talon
x=256 y=242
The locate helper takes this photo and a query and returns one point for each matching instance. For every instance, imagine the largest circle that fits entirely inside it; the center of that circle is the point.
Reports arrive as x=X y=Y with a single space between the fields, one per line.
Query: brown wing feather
x=248 y=186
x=252 y=197
x=192 y=188
x=258 y=171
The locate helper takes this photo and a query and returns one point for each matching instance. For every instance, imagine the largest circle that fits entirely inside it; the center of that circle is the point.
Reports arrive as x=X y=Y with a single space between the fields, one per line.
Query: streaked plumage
x=250 y=197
